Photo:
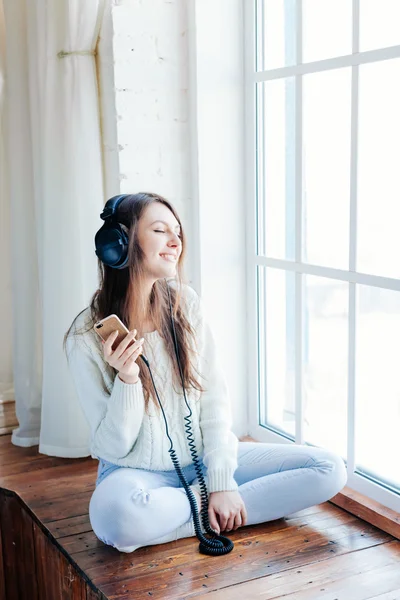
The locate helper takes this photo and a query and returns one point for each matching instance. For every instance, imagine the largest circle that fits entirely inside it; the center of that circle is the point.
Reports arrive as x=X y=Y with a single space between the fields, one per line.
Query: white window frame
x=356 y=481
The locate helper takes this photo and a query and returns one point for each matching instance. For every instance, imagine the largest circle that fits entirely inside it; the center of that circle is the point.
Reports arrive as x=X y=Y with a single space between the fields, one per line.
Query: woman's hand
x=228 y=508
x=123 y=359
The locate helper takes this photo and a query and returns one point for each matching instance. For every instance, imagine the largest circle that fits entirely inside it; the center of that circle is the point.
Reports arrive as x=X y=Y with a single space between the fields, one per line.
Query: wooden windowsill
x=362 y=507
x=373 y=512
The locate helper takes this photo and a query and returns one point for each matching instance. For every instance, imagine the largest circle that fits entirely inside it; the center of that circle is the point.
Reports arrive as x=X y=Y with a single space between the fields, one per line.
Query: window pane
x=325 y=368
x=378 y=383
x=378 y=209
x=326 y=167
x=276 y=167
x=276 y=349
x=276 y=33
x=379 y=24
x=327 y=29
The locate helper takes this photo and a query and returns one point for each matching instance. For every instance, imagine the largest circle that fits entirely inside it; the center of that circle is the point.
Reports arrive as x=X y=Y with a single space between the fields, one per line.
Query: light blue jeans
x=131 y=507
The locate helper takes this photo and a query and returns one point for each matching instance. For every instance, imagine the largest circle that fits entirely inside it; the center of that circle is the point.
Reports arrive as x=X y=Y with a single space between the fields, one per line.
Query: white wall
x=217 y=117
x=178 y=72
x=151 y=96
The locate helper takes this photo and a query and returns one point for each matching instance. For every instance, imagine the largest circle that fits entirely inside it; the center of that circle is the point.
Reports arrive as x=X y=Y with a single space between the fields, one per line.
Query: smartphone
x=106 y=326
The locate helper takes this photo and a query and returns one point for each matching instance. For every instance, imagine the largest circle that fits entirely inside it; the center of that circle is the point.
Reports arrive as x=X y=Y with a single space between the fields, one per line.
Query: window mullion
x=299 y=432
x=353 y=245
x=327 y=64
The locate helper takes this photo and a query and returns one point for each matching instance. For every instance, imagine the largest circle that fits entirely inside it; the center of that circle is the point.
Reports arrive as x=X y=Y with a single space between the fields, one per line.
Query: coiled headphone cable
x=218 y=544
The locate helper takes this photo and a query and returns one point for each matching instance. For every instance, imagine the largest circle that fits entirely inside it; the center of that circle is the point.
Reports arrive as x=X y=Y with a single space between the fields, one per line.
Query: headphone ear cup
x=111 y=243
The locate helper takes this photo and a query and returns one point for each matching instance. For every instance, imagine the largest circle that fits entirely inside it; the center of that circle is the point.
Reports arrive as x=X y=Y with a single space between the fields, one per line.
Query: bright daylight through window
x=323 y=95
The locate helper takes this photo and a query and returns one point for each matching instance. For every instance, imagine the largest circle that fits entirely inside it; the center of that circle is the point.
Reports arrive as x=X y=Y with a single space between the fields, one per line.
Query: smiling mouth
x=169 y=258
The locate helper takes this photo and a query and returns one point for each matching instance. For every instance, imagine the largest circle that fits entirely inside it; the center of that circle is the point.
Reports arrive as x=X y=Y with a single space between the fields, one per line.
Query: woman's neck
x=148 y=327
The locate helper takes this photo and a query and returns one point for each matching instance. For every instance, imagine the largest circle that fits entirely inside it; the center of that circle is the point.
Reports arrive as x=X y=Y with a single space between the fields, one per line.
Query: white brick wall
x=151 y=96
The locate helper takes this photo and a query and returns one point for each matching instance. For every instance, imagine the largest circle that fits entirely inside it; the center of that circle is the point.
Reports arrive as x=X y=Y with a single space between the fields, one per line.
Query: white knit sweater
x=124 y=434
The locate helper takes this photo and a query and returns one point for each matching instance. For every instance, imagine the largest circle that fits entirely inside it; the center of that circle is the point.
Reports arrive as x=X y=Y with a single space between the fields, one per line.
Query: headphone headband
x=111 y=206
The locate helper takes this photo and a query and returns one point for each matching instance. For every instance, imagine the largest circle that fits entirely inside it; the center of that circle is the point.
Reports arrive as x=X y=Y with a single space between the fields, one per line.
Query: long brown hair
x=114 y=297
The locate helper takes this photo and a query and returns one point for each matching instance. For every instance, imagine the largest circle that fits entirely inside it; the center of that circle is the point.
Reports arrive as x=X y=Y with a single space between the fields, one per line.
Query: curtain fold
x=56 y=195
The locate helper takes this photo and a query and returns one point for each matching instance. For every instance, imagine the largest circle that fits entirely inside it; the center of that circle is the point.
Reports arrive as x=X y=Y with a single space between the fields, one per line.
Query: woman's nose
x=175 y=240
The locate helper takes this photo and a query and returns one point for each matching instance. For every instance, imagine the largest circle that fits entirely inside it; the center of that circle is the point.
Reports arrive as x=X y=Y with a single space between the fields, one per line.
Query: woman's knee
x=334 y=470
x=117 y=520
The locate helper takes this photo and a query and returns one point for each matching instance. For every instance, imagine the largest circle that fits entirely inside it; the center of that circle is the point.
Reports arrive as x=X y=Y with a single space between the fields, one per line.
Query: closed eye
x=160 y=231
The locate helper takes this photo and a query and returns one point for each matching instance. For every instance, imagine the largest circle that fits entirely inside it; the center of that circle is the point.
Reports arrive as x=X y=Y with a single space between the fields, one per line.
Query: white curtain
x=6 y=374
x=55 y=195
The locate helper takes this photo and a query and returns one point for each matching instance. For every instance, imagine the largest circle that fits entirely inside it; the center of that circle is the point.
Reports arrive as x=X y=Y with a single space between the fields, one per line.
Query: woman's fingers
x=238 y=521
x=223 y=519
x=133 y=354
x=118 y=357
x=231 y=522
x=109 y=342
x=212 y=517
x=244 y=515
x=122 y=346
x=127 y=357
x=235 y=521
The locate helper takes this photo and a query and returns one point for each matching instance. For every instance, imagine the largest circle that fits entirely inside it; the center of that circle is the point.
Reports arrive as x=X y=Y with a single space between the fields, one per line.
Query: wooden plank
x=32 y=464
x=49 y=584
x=74 y=544
x=61 y=508
x=5 y=440
x=313 y=576
x=14 y=454
x=92 y=595
x=312 y=510
x=36 y=567
x=70 y=526
x=373 y=512
x=8 y=525
x=214 y=574
x=44 y=477
x=18 y=550
x=57 y=577
x=316 y=522
x=2 y=575
x=72 y=585
x=271 y=552
x=384 y=579
x=36 y=494
x=88 y=540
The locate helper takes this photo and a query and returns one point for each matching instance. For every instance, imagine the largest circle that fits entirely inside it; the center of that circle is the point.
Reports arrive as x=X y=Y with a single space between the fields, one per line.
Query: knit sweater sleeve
x=220 y=443
x=114 y=419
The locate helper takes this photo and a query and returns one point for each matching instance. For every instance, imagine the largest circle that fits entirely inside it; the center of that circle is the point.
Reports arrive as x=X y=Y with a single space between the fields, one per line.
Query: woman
x=139 y=499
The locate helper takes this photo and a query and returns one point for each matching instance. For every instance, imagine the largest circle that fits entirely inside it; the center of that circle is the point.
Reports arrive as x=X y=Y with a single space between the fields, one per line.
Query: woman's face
x=158 y=236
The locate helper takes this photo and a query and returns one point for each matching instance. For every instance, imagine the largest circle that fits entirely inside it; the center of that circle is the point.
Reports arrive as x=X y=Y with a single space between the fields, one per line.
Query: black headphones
x=111 y=240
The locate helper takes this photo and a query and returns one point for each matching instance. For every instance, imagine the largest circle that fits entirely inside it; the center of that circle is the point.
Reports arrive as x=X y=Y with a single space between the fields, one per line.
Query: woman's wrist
x=127 y=379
